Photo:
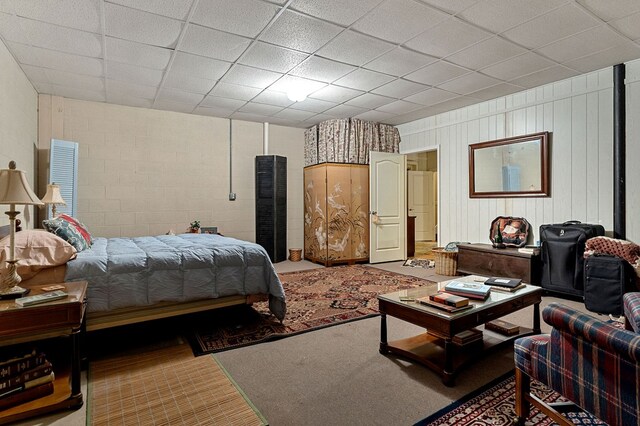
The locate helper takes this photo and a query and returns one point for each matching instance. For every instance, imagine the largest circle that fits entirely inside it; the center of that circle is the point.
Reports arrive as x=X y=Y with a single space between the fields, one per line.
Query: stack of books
x=472 y=290
x=467 y=337
x=447 y=302
x=507 y=285
x=24 y=378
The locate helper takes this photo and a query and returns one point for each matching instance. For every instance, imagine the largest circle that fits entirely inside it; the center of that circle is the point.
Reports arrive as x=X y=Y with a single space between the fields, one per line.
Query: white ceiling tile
x=188 y=83
x=48 y=36
x=399 y=107
x=75 y=93
x=518 y=66
x=300 y=32
x=561 y=22
x=252 y=77
x=79 y=14
x=303 y=85
x=497 y=16
x=272 y=97
x=451 y=6
x=133 y=53
x=213 y=43
x=313 y=105
x=582 y=44
x=436 y=73
x=178 y=9
x=36 y=74
x=317 y=119
x=468 y=83
x=335 y=94
x=362 y=79
x=485 y=53
x=246 y=116
x=447 y=37
x=122 y=89
x=609 y=10
x=174 y=106
x=67 y=79
x=129 y=101
x=399 y=88
x=377 y=116
x=254 y=108
x=431 y=96
x=496 y=91
x=344 y=111
x=548 y=75
x=199 y=66
x=321 y=69
x=399 y=62
x=354 y=48
x=412 y=116
x=235 y=91
x=56 y=60
x=338 y=11
x=628 y=26
x=272 y=58
x=383 y=21
x=605 y=58
x=454 y=103
x=369 y=100
x=213 y=111
x=295 y=114
x=225 y=103
x=173 y=95
x=244 y=17
x=133 y=74
x=143 y=27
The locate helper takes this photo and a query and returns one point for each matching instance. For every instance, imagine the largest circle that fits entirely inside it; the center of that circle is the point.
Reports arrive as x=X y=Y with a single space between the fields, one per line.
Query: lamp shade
x=53 y=195
x=15 y=189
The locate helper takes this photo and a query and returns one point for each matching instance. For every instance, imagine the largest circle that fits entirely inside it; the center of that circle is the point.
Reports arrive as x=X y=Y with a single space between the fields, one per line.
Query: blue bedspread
x=142 y=271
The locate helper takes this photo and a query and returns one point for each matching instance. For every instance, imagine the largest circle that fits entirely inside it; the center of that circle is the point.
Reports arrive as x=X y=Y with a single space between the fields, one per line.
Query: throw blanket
x=126 y=272
x=621 y=248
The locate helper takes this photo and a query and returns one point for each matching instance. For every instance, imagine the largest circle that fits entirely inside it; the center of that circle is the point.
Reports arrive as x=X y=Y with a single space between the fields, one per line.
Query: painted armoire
x=336 y=217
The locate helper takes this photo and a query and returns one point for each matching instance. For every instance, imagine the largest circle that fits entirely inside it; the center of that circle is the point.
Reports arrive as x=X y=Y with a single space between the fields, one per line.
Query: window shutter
x=63 y=171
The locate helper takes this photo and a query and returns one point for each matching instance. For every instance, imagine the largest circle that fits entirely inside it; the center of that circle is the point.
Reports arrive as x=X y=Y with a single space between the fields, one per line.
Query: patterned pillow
x=65 y=230
x=82 y=229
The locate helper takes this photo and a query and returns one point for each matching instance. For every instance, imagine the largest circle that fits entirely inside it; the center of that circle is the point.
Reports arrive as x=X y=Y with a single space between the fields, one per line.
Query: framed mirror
x=511 y=167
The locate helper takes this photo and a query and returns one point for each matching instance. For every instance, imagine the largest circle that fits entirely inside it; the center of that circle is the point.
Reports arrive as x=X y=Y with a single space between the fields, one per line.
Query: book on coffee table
x=468 y=289
x=442 y=306
x=503 y=282
x=468 y=336
x=449 y=299
x=502 y=327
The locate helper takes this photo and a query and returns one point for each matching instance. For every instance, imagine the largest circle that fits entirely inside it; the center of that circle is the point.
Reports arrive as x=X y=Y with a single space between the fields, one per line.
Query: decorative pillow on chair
x=67 y=231
x=36 y=250
x=80 y=227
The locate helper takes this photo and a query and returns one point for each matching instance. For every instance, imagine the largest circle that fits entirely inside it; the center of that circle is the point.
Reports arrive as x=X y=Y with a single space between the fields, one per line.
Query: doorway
x=422 y=200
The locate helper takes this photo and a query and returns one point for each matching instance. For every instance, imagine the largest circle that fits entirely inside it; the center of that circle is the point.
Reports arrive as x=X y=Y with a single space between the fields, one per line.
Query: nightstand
x=54 y=327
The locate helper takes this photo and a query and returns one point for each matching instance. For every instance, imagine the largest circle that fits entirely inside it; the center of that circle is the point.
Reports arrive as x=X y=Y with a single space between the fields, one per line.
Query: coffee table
x=435 y=348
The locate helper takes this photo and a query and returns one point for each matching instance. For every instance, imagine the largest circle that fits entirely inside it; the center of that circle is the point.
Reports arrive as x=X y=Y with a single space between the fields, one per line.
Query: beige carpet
x=166 y=386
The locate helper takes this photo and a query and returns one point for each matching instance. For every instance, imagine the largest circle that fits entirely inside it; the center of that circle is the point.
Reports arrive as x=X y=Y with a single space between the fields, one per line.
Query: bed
x=144 y=278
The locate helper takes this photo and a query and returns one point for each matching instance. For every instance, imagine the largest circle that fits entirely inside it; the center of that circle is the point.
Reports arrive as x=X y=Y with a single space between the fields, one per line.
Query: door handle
x=372 y=212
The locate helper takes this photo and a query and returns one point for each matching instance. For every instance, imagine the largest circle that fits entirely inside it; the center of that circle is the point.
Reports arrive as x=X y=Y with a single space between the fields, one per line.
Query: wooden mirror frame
x=543 y=137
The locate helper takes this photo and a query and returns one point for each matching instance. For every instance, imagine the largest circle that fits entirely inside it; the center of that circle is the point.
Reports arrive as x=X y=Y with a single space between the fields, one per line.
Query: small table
x=33 y=325
x=435 y=348
x=483 y=259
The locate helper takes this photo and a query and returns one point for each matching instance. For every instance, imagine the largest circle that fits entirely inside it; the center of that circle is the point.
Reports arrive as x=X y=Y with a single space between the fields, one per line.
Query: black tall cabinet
x=271 y=205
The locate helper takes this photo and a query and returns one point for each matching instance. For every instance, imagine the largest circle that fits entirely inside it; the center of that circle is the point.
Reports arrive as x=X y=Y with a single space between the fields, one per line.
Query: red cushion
x=79 y=227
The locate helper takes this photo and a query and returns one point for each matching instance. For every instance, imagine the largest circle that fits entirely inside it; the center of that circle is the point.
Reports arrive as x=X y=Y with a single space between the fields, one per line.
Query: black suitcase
x=606 y=279
x=561 y=255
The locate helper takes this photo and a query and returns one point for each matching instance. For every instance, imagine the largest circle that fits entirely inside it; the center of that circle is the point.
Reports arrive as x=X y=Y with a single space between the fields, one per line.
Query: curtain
x=311 y=146
x=333 y=141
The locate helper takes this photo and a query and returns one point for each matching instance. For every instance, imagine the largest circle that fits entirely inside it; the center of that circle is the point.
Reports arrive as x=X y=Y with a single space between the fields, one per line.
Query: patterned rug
x=315 y=298
x=493 y=404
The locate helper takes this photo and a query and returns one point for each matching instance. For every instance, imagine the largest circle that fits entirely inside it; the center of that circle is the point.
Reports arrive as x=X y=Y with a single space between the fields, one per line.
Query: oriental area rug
x=166 y=386
x=316 y=298
x=494 y=404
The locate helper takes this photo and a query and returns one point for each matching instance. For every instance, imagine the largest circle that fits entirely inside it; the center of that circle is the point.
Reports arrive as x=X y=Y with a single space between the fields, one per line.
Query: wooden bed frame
x=118 y=317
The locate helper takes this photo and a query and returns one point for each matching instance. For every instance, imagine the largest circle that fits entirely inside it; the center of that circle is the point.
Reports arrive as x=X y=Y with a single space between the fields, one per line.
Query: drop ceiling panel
x=539 y=78
x=122 y=89
x=239 y=115
x=79 y=14
x=518 y=66
x=363 y=79
x=604 y=58
x=178 y=9
x=36 y=74
x=134 y=53
x=451 y=6
x=199 y=66
x=39 y=57
x=300 y=32
x=561 y=22
x=498 y=16
x=313 y=105
x=213 y=43
x=71 y=80
x=486 y=53
x=174 y=106
x=436 y=73
x=383 y=21
x=610 y=10
x=123 y=99
x=431 y=96
x=294 y=114
x=369 y=101
x=335 y=94
x=317 y=119
x=226 y=103
x=72 y=92
x=271 y=97
x=447 y=37
x=585 y=43
x=354 y=48
x=289 y=82
x=174 y=95
x=272 y=58
x=399 y=107
x=244 y=17
x=143 y=27
x=188 y=83
x=213 y=111
x=399 y=62
x=629 y=26
x=252 y=77
x=377 y=116
x=344 y=111
x=496 y=91
x=321 y=69
x=469 y=83
x=339 y=11
x=133 y=74
x=399 y=89
x=235 y=91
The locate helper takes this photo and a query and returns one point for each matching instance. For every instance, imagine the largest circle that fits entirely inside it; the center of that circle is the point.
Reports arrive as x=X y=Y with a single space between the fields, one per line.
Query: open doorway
x=422 y=203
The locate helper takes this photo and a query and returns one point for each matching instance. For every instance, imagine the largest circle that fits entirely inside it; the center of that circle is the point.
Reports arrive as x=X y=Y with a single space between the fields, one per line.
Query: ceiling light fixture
x=296 y=95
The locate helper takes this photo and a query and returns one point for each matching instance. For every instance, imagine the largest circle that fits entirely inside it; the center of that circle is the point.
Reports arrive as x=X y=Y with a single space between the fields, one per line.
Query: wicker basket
x=295 y=255
x=446 y=261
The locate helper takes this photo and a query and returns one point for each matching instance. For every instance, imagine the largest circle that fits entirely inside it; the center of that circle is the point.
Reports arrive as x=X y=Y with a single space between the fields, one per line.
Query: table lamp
x=52 y=197
x=14 y=189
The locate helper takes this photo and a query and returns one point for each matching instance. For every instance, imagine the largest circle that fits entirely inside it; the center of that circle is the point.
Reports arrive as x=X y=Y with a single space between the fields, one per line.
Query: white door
x=387 y=207
x=422 y=203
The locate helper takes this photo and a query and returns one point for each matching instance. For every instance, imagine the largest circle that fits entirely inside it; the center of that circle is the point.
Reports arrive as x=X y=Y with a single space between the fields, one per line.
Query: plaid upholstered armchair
x=589 y=362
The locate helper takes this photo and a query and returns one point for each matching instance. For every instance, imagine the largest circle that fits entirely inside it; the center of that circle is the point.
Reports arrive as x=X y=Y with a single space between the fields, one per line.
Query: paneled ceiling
x=391 y=61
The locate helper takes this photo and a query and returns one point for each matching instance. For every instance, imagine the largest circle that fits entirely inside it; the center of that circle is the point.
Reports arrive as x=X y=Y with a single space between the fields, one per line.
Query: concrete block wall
x=145 y=171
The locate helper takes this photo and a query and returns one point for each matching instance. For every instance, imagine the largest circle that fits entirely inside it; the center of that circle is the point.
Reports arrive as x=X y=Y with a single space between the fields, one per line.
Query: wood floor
x=423 y=249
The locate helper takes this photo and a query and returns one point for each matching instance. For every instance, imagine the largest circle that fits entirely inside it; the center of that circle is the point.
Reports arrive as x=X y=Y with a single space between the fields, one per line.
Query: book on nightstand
x=26 y=395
